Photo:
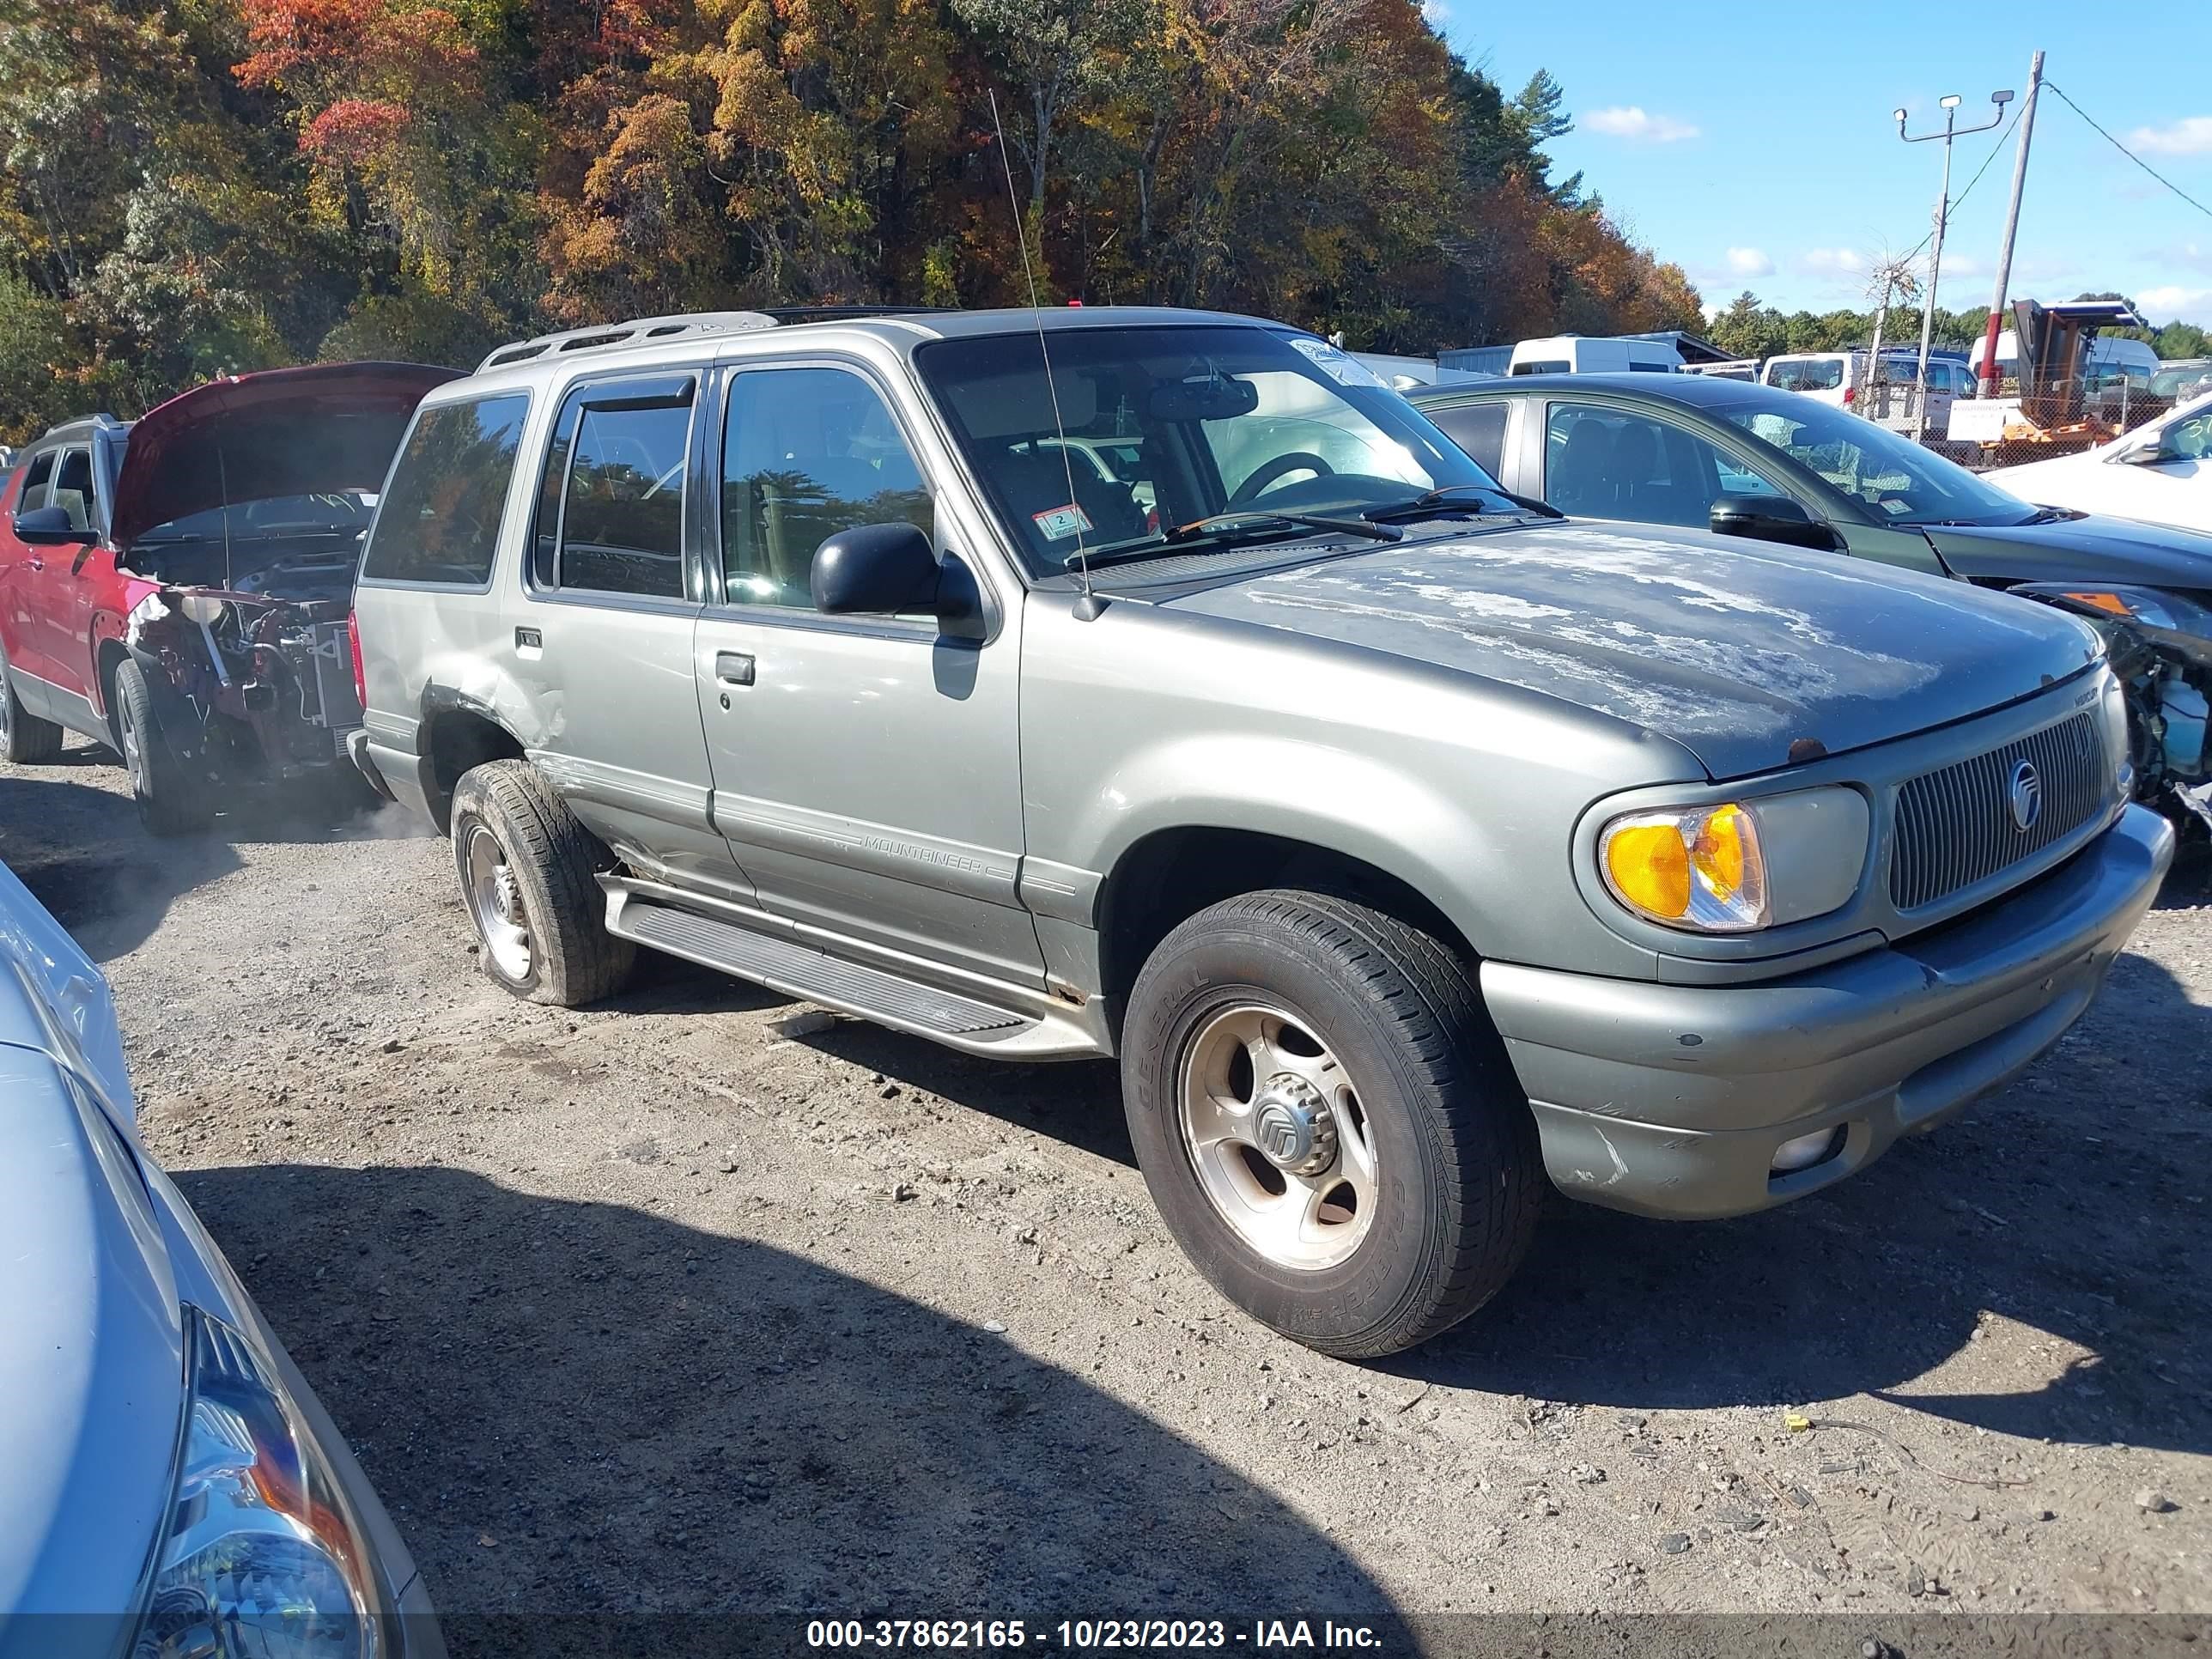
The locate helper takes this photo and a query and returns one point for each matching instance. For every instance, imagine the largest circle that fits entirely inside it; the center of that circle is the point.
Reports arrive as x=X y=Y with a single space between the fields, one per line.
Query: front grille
x=1955 y=826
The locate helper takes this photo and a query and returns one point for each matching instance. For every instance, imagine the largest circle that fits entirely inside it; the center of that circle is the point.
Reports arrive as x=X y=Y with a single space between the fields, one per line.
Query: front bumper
x=1671 y=1101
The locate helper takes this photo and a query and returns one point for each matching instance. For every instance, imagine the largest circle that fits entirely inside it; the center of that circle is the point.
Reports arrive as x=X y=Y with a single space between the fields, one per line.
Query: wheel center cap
x=1291 y=1125
x=507 y=895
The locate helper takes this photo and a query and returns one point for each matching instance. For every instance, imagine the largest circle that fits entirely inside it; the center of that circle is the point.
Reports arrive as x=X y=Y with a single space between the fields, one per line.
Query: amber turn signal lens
x=1651 y=868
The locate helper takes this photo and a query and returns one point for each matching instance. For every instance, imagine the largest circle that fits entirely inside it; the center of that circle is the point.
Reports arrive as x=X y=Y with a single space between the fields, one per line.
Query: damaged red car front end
x=236 y=529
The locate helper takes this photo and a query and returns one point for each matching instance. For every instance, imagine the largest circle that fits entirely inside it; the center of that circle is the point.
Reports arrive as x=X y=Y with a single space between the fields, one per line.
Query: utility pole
x=1951 y=129
x=1990 y=377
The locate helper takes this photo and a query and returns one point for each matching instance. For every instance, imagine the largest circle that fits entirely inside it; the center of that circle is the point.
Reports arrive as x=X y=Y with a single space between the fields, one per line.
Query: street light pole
x=1951 y=130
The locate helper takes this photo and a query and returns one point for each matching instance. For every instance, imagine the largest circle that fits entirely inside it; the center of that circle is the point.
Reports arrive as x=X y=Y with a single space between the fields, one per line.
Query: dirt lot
x=655 y=1307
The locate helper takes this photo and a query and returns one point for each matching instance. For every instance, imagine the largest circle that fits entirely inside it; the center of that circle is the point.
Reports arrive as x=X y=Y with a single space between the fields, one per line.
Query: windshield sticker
x=1335 y=364
x=1059 y=523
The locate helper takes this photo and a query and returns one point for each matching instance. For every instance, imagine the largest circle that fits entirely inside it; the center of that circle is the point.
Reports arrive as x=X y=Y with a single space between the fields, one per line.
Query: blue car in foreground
x=172 y=1488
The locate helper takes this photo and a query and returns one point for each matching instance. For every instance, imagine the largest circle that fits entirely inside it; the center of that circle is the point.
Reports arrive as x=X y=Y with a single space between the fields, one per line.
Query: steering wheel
x=1298 y=460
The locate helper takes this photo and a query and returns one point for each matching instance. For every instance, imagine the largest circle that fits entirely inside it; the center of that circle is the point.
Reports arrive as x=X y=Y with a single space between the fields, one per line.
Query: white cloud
x=1436 y=13
x=1750 y=262
x=1834 y=261
x=2189 y=136
x=2174 y=303
x=1632 y=123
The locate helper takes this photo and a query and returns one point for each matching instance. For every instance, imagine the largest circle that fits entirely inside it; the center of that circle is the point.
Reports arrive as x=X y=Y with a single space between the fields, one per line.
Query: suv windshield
x=1903 y=482
x=1162 y=427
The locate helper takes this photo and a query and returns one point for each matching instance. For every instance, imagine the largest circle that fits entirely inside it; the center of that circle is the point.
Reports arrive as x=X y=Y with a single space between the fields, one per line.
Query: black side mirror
x=1770 y=518
x=50 y=527
x=874 y=569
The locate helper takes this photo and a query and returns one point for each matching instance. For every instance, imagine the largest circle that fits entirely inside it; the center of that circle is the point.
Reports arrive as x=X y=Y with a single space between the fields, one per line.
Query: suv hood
x=313 y=430
x=1734 y=651
x=2090 y=548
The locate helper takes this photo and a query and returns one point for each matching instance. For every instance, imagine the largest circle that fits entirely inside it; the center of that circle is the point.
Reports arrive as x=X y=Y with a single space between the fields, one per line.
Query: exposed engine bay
x=262 y=687
x=2168 y=678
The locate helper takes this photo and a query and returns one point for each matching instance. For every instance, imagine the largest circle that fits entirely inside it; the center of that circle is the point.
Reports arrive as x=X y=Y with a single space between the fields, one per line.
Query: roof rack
x=641 y=330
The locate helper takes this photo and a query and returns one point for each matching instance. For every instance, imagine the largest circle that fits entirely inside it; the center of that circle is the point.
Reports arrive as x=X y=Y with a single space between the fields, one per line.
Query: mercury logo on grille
x=2026 y=796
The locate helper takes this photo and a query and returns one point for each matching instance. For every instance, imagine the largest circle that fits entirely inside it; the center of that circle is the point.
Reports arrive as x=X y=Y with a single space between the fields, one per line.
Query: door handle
x=529 y=639
x=733 y=668
x=35 y=563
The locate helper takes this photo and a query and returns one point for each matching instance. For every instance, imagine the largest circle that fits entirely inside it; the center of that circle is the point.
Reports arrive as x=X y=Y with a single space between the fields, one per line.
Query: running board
x=767 y=953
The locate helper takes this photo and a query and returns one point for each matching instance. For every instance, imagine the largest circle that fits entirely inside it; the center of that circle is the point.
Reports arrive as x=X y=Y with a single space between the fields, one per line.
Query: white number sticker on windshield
x=1059 y=523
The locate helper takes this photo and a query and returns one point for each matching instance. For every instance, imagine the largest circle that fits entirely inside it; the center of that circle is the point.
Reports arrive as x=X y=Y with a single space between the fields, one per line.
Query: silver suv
x=1159 y=684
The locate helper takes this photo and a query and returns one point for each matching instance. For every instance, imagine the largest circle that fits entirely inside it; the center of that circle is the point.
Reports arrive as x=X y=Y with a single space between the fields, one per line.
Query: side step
x=798 y=969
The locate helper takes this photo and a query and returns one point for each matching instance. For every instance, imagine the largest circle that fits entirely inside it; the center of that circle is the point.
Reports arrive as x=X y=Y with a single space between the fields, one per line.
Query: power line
x=2130 y=154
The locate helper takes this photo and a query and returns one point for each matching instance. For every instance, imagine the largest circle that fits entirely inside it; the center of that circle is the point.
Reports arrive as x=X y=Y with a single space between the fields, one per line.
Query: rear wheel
x=171 y=802
x=25 y=740
x=527 y=869
x=1327 y=1120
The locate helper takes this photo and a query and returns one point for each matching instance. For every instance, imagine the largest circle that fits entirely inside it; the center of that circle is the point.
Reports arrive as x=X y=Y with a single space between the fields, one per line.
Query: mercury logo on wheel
x=1282 y=1133
x=2026 y=796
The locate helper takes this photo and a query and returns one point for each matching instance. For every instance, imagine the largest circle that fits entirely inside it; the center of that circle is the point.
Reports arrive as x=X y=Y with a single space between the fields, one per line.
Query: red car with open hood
x=181 y=588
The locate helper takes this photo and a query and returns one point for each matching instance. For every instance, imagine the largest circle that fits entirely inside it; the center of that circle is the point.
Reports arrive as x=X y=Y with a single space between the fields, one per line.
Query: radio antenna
x=1087 y=606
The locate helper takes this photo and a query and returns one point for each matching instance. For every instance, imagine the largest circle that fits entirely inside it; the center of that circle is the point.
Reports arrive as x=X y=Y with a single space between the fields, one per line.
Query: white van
x=1840 y=379
x=1583 y=354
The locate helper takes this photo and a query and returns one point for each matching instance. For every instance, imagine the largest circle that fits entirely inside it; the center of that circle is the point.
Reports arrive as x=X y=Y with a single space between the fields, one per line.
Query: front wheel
x=171 y=801
x=1326 y=1122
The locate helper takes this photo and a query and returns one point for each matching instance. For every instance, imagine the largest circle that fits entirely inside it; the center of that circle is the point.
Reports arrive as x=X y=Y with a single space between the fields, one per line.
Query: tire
x=1384 y=1027
x=526 y=866
x=25 y=740
x=171 y=801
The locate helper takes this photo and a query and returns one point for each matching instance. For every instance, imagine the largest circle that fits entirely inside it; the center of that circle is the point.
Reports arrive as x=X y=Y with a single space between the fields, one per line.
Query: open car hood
x=317 y=429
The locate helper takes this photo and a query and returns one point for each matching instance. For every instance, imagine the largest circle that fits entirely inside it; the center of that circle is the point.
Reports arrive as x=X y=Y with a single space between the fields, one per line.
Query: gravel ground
x=660 y=1307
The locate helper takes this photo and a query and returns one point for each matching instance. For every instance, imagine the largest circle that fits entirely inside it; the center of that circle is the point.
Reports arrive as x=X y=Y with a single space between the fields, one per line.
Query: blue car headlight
x=261 y=1555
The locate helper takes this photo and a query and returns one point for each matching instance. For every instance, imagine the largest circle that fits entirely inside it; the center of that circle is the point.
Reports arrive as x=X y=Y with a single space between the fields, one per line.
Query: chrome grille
x=1955 y=826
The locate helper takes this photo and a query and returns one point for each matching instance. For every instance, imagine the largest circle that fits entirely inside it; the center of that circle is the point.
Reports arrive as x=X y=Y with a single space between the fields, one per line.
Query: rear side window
x=1479 y=429
x=1811 y=374
x=438 y=522
x=610 y=501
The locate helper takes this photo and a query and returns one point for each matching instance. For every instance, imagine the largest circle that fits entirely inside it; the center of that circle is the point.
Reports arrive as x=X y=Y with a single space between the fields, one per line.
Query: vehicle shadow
x=583 y=1407
x=2071 y=1204
x=81 y=851
x=74 y=838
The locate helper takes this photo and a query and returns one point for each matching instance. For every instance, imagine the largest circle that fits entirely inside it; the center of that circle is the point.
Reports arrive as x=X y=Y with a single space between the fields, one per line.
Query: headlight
x=1736 y=866
x=261 y=1555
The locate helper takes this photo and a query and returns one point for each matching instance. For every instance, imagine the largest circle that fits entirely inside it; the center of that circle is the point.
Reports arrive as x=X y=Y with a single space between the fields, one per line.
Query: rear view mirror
x=874 y=569
x=50 y=527
x=1770 y=518
x=1203 y=398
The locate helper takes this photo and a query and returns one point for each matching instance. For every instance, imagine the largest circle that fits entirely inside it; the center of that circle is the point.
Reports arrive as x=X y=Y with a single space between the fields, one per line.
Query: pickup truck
x=1411 y=845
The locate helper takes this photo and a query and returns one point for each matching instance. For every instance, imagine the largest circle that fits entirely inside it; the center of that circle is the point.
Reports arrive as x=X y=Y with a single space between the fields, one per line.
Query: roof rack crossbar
x=637 y=331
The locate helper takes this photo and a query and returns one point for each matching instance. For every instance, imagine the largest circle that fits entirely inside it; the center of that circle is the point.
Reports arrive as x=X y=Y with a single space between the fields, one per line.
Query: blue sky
x=1754 y=146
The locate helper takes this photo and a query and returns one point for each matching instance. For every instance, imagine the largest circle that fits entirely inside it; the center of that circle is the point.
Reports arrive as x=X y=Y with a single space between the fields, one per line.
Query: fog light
x=1806 y=1151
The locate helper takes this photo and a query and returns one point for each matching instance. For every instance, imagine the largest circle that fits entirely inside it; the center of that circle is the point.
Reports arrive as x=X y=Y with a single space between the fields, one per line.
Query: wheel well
x=113 y=655
x=1173 y=874
x=458 y=740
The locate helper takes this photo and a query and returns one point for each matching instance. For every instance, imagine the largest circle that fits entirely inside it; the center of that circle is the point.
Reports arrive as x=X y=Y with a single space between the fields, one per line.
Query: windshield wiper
x=1441 y=496
x=1222 y=528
